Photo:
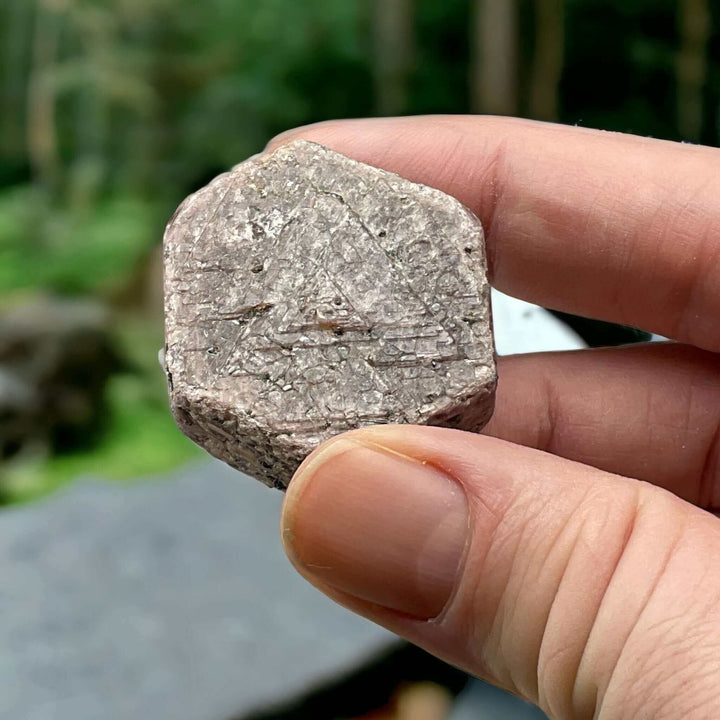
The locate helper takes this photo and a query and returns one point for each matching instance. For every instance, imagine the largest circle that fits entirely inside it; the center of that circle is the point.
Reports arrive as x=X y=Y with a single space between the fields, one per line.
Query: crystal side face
x=307 y=294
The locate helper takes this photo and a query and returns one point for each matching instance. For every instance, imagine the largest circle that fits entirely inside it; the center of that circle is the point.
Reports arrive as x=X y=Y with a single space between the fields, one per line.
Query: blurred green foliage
x=140 y=438
x=111 y=111
x=70 y=250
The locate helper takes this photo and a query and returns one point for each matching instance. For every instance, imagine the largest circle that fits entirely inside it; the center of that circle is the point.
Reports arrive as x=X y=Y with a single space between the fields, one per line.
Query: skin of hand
x=570 y=554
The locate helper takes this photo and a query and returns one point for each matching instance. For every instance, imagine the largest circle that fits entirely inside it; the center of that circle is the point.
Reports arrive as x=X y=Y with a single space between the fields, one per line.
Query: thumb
x=592 y=595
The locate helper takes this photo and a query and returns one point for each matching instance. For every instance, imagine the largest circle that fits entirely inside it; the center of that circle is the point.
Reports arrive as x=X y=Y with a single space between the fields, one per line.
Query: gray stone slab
x=167 y=600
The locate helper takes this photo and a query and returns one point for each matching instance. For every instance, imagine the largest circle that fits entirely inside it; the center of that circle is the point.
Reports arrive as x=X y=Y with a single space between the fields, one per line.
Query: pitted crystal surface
x=307 y=294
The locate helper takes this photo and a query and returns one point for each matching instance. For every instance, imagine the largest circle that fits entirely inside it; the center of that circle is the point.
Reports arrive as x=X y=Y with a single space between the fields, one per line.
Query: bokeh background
x=112 y=111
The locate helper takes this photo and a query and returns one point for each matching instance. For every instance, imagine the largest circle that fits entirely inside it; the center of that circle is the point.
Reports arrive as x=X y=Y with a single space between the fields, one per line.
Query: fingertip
x=300 y=483
x=409 y=146
x=376 y=524
x=323 y=132
x=289 y=135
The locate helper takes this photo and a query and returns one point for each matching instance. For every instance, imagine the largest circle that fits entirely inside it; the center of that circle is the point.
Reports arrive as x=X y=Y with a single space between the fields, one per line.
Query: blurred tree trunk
x=16 y=16
x=394 y=50
x=547 y=64
x=41 y=130
x=97 y=36
x=692 y=65
x=494 y=71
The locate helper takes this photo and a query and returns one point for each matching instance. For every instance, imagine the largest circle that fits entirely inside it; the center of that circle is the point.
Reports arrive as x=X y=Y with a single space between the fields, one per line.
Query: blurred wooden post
x=547 y=64
x=394 y=49
x=41 y=131
x=494 y=71
x=694 y=22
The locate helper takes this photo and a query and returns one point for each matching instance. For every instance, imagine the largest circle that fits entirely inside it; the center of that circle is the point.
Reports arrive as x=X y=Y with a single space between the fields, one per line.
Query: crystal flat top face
x=308 y=294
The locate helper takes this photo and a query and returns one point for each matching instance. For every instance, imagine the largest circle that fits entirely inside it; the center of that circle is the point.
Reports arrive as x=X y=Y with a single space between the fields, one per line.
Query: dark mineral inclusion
x=307 y=294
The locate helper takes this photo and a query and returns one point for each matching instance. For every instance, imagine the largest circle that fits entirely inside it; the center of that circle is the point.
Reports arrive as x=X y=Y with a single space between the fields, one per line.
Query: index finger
x=604 y=225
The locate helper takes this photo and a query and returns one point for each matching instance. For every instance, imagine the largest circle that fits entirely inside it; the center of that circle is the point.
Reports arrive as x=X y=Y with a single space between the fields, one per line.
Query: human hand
x=569 y=554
